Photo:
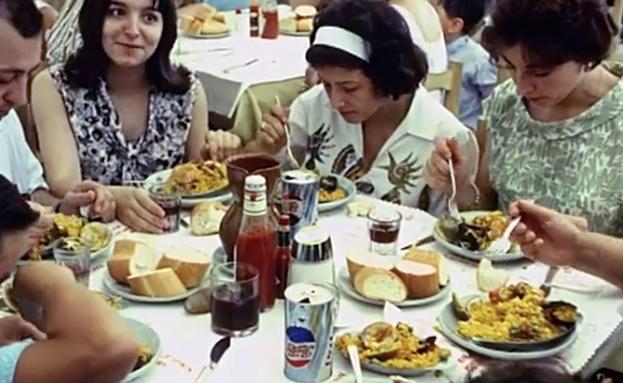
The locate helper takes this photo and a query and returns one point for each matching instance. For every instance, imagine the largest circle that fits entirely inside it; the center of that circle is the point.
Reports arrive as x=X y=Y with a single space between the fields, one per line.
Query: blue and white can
x=310 y=313
x=299 y=198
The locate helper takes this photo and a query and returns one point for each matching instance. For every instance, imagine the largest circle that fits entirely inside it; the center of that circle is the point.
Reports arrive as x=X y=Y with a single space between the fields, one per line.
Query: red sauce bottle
x=254 y=18
x=271 y=20
x=284 y=252
x=256 y=244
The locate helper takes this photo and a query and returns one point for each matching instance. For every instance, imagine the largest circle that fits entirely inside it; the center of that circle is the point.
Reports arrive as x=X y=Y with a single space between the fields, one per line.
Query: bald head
x=22 y=15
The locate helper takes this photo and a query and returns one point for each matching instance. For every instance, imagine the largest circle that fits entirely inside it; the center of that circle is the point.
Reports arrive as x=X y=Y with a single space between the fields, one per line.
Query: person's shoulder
x=428 y=111
x=314 y=97
x=504 y=96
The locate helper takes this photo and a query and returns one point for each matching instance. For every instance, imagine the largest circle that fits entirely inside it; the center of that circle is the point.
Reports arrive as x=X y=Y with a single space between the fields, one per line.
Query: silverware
x=452 y=206
x=353 y=356
x=420 y=242
x=502 y=244
x=549 y=277
x=237 y=66
x=286 y=128
x=218 y=350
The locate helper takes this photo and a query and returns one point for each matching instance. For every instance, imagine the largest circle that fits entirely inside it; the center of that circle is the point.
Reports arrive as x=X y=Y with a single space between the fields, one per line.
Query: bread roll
x=189 y=265
x=305 y=11
x=213 y=27
x=430 y=257
x=199 y=11
x=129 y=257
x=358 y=260
x=422 y=280
x=220 y=17
x=380 y=284
x=206 y=218
x=157 y=283
x=304 y=25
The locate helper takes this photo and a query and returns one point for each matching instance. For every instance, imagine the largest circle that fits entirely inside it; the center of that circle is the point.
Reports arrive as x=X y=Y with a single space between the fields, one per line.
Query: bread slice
x=213 y=27
x=199 y=11
x=305 y=11
x=206 y=218
x=189 y=265
x=130 y=257
x=356 y=261
x=430 y=257
x=422 y=280
x=380 y=284
x=489 y=278
x=304 y=25
x=157 y=283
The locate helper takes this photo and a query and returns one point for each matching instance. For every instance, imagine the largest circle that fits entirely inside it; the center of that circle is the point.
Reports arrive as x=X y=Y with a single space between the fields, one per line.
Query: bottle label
x=254 y=204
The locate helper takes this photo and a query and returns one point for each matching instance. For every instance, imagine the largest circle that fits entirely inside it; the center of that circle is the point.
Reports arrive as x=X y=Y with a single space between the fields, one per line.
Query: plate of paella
x=194 y=181
x=515 y=322
x=471 y=237
x=395 y=350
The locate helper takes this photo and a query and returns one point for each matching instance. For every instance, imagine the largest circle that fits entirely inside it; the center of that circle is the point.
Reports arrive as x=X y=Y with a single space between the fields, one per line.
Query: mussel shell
x=561 y=313
x=460 y=310
x=329 y=183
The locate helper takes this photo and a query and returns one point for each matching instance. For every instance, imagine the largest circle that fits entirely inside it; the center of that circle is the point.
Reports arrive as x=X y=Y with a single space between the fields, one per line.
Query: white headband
x=344 y=40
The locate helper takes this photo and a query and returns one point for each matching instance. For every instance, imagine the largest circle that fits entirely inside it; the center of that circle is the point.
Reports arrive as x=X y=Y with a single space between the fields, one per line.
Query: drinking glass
x=235 y=299
x=75 y=254
x=170 y=202
x=384 y=227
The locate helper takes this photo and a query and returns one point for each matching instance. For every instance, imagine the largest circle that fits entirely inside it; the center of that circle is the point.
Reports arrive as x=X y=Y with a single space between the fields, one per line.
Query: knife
x=421 y=242
x=218 y=350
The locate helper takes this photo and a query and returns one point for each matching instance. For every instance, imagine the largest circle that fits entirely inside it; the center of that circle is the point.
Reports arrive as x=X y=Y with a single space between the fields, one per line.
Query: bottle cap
x=255 y=182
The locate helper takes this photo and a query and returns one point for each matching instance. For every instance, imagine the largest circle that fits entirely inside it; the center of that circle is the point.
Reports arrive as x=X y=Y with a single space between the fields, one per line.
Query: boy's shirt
x=480 y=76
x=9 y=356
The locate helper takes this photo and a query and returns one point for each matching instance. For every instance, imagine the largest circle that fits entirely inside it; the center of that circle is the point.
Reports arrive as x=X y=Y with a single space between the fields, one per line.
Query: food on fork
x=380 y=284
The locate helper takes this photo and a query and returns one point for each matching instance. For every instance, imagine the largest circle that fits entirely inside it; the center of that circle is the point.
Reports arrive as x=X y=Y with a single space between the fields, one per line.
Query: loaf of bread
x=430 y=257
x=357 y=260
x=421 y=280
x=188 y=264
x=380 y=284
x=130 y=257
x=157 y=283
x=206 y=218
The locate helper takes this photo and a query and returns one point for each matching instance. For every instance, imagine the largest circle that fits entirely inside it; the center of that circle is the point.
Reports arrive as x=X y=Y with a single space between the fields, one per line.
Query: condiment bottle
x=254 y=18
x=256 y=244
x=284 y=252
x=271 y=20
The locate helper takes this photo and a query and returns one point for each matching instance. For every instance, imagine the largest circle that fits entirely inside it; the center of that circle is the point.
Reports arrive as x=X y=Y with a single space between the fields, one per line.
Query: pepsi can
x=299 y=198
x=310 y=313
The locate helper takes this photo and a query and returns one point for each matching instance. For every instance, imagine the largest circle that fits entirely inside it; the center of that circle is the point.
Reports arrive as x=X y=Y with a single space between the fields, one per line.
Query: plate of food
x=149 y=352
x=417 y=279
x=515 y=322
x=471 y=237
x=395 y=350
x=203 y=21
x=97 y=234
x=195 y=181
x=335 y=191
x=137 y=273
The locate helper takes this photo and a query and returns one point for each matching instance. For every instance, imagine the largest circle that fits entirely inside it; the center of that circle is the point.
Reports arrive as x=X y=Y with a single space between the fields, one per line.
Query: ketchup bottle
x=256 y=244
x=284 y=252
x=254 y=18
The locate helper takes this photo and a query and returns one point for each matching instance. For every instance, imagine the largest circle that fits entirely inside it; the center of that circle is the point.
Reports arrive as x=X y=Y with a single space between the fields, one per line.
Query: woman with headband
x=369 y=119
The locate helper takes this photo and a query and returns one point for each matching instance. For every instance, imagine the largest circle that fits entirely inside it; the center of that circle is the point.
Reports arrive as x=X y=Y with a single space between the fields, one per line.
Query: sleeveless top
x=104 y=153
x=573 y=166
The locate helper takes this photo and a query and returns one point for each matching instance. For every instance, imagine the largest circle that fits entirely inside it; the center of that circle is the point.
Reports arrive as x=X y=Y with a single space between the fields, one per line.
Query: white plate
x=351 y=193
x=295 y=33
x=448 y=327
x=348 y=289
x=475 y=255
x=207 y=36
x=146 y=335
x=125 y=292
x=220 y=195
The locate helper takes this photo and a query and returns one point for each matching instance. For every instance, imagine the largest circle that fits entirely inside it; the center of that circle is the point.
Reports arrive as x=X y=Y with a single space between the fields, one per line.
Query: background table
x=187 y=339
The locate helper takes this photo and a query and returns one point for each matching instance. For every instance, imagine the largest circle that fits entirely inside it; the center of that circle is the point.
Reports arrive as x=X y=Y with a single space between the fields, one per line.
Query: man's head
x=20 y=39
x=459 y=17
x=16 y=217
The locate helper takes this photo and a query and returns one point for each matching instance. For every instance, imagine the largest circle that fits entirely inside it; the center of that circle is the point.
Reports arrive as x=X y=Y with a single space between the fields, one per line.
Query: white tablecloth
x=277 y=60
x=187 y=340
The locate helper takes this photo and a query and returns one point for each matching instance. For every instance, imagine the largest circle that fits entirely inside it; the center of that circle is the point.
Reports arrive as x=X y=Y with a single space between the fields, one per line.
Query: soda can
x=310 y=313
x=299 y=198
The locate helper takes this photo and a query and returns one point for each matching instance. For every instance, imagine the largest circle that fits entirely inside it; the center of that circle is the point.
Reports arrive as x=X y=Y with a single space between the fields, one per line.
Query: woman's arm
x=58 y=147
x=198 y=127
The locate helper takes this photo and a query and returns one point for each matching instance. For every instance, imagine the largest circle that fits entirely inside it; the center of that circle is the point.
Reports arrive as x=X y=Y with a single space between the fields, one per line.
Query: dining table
x=187 y=339
x=242 y=76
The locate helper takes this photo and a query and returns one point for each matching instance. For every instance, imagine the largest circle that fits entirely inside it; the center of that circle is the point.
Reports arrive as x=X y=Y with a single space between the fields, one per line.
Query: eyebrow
x=153 y=7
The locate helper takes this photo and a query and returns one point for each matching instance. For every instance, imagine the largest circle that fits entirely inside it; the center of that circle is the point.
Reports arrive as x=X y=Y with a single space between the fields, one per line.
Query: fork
x=353 y=355
x=231 y=68
x=288 y=140
x=452 y=207
x=549 y=277
x=502 y=244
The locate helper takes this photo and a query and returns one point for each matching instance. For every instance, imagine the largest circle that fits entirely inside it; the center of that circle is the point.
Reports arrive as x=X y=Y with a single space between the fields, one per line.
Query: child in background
x=458 y=19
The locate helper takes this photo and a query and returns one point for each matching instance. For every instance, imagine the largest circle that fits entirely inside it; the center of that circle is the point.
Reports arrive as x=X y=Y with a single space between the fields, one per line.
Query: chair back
x=450 y=83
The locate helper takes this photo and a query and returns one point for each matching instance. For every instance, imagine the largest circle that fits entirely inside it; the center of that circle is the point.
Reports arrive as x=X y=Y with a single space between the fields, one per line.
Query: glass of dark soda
x=170 y=201
x=235 y=299
x=384 y=227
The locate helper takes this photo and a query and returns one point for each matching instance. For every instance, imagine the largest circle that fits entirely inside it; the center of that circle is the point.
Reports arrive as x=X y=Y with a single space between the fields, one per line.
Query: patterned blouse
x=573 y=166
x=105 y=154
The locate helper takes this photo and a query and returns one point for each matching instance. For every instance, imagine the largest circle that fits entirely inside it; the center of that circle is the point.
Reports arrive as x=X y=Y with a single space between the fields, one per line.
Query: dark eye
x=350 y=89
x=151 y=17
x=7 y=78
x=542 y=72
x=115 y=11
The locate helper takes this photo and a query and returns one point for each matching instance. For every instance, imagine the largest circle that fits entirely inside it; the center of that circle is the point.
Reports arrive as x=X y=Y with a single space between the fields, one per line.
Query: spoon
x=286 y=128
x=452 y=207
x=353 y=356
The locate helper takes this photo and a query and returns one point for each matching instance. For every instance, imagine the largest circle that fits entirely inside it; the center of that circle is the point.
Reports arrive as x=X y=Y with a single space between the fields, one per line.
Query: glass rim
x=231 y=264
x=397 y=218
x=85 y=242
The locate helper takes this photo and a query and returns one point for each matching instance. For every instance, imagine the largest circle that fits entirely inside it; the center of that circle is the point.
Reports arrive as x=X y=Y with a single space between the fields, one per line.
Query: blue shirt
x=480 y=76
x=9 y=356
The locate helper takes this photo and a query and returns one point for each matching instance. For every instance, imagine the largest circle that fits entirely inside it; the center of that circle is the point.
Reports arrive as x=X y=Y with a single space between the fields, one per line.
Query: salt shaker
x=312 y=257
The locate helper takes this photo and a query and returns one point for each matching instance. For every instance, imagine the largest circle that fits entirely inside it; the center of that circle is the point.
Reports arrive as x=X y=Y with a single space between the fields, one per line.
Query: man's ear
x=455 y=26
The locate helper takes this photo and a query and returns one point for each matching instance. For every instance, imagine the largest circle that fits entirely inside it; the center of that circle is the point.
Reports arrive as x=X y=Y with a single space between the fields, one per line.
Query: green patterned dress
x=574 y=166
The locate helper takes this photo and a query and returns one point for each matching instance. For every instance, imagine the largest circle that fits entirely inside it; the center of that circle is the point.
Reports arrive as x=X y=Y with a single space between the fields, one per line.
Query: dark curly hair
x=470 y=11
x=396 y=65
x=90 y=62
x=15 y=213
x=521 y=372
x=552 y=32
x=23 y=16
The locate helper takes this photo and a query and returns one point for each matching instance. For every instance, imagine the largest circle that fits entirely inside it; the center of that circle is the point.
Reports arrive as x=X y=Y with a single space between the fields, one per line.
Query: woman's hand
x=89 y=193
x=137 y=211
x=546 y=235
x=437 y=172
x=221 y=145
x=272 y=134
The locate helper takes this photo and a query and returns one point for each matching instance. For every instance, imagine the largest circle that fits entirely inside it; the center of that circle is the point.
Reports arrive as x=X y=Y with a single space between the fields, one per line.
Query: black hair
x=396 y=65
x=470 y=11
x=15 y=213
x=521 y=372
x=552 y=32
x=90 y=62
x=23 y=15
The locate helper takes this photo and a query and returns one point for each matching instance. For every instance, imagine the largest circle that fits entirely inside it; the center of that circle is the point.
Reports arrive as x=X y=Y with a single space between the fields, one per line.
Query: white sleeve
x=28 y=170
